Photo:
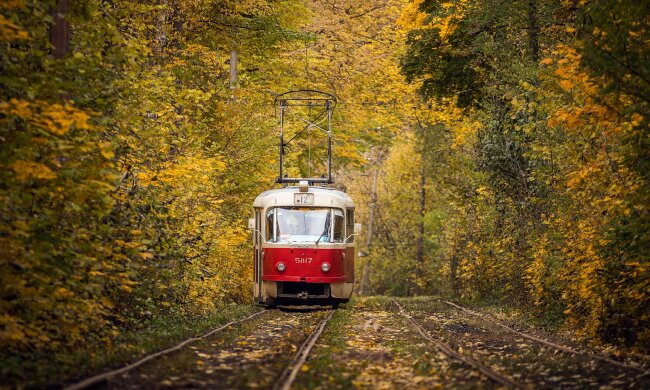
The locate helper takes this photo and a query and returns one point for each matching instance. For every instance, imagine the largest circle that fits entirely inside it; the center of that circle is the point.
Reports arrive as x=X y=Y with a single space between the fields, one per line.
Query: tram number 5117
x=303 y=260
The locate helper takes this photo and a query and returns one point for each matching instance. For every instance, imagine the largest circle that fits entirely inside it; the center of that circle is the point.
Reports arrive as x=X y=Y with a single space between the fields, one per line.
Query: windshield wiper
x=327 y=227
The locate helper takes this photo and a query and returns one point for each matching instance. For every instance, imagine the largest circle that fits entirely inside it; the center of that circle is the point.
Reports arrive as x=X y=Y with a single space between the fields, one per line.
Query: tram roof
x=323 y=196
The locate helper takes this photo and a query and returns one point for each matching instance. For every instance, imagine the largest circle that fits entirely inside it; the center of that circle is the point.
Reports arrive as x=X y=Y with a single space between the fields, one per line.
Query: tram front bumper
x=306 y=290
x=305 y=279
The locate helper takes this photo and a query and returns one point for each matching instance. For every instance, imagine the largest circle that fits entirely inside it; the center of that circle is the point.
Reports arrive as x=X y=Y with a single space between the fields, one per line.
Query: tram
x=303 y=233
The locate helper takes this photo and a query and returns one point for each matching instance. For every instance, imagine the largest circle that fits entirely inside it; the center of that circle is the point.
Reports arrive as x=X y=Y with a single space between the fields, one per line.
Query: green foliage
x=129 y=165
x=615 y=36
x=550 y=209
x=519 y=172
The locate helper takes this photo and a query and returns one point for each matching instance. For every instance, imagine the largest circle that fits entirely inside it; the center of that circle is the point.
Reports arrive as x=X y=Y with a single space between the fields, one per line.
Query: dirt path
x=377 y=343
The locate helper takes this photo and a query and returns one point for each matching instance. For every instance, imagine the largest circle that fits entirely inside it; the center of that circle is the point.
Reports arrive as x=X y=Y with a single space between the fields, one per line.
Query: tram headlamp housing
x=325 y=267
x=281 y=267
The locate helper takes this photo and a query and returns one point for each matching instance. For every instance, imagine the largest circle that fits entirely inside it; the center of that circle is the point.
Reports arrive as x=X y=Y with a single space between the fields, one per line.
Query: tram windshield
x=301 y=224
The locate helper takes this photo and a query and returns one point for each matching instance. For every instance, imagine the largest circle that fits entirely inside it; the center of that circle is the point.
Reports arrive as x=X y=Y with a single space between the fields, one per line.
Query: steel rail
x=485 y=370
x=549 y=343
x=109 y=374
x=289 y=374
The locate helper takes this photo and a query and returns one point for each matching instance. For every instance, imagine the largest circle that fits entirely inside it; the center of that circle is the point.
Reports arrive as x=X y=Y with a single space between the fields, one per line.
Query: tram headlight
x=281 y=267
x=325 y=267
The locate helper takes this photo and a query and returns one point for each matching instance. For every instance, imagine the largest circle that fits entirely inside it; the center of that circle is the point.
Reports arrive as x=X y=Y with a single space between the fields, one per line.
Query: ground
x=374 y=343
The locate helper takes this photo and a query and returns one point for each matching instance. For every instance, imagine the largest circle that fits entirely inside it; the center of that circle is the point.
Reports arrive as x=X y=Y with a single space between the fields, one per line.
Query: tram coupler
x=303 y=295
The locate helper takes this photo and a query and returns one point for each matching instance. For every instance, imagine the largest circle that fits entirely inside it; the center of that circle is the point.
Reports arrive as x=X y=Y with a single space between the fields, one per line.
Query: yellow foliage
x=54 y=118
x=12 y=331
x=566 y=84
x=10 y=4
x=411 y=16
x=63 y=293
x=26 y=170
x=9 y=31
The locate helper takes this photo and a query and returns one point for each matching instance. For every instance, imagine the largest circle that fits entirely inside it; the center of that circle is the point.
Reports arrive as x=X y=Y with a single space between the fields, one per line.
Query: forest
x=497 y=151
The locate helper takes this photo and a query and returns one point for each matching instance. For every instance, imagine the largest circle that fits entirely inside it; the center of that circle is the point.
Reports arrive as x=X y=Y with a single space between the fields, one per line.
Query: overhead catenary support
x=329 y=143
x=282 y=108
x=310 y=99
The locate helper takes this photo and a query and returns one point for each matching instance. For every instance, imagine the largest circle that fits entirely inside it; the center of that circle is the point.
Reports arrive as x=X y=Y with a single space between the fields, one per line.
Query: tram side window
x=270 y=217
x=350 y=224
x=258 y=226
x=338 y=225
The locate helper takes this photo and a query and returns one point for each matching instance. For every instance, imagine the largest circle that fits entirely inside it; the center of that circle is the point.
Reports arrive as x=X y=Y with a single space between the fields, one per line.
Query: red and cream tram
x=303 y=234
x=304 y=246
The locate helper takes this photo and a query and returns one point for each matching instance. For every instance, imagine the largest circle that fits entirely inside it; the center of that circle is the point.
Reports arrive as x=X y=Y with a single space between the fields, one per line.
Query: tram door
x=257 y=248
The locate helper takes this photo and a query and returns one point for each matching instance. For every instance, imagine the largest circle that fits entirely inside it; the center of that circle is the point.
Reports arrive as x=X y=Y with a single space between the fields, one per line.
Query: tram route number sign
x=303 y=199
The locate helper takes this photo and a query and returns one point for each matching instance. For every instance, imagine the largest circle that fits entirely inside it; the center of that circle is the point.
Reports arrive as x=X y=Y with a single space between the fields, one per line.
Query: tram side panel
x=257 y=255
x=349 y=249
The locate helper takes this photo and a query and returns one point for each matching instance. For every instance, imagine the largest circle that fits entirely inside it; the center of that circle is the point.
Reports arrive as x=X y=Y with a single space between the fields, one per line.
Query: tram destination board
x=303 y=199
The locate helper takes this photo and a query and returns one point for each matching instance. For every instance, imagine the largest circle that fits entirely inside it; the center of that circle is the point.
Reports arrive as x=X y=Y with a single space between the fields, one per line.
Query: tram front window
x=299 y=224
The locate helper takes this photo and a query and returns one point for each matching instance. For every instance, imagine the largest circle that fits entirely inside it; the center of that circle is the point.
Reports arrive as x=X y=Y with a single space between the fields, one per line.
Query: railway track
x=449 y=351
x=271 y=351
x=284 y=381
x=86 y=383
x=288 y=376
x=637 y=367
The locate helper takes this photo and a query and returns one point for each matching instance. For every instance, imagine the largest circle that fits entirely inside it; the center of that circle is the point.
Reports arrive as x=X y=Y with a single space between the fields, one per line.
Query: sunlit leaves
x=129 y=165
x=561 y=198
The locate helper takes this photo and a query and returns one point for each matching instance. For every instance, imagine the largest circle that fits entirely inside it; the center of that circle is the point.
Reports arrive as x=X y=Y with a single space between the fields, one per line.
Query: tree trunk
x=60 y=29
x=365 y=278
x=419 y=243
x=178 y=26
x=161 y=35
x=453 y=274
x=419 y=250
x=533 y=30
x=233 y=69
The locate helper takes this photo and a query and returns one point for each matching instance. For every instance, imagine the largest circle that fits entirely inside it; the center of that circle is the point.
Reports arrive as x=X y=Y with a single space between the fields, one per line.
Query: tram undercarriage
x=301 y=293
